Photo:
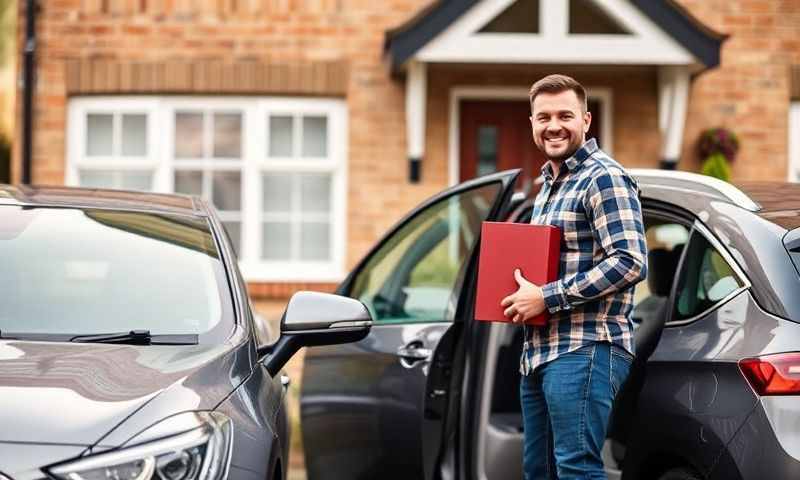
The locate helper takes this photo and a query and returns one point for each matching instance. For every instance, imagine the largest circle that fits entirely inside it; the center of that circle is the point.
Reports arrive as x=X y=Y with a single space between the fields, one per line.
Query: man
x=573 y=367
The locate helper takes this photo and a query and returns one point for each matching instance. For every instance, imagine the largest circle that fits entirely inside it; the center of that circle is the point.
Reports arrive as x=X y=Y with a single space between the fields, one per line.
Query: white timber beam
x=673 y=103
x=416 y=98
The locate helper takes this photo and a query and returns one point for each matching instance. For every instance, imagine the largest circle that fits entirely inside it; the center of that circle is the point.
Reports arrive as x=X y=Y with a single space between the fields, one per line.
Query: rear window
x=83 y=271
x=792 y=243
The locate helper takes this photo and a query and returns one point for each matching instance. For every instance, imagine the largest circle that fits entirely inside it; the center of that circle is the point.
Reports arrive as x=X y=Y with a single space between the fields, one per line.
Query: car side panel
x=259 y=427
x=756 y=454
x=365 y=387
x=693 y=402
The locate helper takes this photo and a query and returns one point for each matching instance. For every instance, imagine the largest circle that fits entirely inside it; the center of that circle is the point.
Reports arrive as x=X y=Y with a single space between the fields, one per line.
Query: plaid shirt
x=603 y=254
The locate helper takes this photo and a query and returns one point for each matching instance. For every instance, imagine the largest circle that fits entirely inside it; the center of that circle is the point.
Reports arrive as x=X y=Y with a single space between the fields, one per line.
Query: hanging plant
x=718 y=140
x=716 y=165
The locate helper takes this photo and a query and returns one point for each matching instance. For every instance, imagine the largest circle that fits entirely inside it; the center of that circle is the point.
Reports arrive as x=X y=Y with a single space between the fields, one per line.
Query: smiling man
x=573 y=367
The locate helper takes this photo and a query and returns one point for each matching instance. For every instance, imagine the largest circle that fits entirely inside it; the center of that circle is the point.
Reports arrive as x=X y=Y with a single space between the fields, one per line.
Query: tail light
x=777 y=374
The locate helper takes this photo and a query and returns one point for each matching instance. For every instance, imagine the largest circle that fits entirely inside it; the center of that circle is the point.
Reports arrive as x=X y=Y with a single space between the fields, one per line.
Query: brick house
x=314 y=124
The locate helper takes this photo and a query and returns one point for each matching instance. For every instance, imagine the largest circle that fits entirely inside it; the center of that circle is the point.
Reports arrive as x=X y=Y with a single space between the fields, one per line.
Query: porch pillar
x=673 y=102
x=416 y=96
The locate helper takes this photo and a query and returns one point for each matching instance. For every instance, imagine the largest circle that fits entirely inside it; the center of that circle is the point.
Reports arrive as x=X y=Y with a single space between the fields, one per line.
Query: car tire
x=679 y=474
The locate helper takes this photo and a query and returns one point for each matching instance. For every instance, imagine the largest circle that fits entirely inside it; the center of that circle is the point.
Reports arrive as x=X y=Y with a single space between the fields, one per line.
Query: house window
x=274 y=168
x=114 y=147
x=207 y=161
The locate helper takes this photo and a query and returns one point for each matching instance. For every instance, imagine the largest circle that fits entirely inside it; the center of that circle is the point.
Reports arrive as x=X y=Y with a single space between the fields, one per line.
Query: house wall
x=749 y=92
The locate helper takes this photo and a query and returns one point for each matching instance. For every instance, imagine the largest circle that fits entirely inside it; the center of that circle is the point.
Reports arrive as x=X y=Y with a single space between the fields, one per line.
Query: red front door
x=496 y=136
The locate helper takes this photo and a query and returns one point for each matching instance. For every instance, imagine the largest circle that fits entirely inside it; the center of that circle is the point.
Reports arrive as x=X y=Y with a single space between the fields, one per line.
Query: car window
x=85 y=271
x=665 y=242
x=411 y=278
x=706 y=278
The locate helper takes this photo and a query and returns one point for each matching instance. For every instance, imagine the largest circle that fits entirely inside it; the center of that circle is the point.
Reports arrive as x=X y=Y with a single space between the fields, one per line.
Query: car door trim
x=726 y=255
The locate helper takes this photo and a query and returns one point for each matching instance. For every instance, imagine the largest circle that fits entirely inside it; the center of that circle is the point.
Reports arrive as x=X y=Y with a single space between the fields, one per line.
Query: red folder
x=534 y=249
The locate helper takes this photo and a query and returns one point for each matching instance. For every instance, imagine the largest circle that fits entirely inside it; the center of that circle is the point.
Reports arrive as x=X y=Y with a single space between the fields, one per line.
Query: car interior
x=500 y=426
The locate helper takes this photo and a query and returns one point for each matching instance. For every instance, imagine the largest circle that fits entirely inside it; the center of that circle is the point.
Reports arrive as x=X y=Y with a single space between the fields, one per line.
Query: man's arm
x=613 y=208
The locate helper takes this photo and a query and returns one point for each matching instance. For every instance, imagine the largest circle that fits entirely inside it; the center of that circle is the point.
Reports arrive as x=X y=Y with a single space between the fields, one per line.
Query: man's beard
x=570 y=151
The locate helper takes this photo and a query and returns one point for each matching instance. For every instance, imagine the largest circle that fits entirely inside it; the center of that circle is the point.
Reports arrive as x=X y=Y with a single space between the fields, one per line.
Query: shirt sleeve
x=614 y=211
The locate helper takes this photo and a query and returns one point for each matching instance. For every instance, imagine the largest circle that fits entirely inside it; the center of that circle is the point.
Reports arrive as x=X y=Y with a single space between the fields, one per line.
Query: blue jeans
x=566 y=404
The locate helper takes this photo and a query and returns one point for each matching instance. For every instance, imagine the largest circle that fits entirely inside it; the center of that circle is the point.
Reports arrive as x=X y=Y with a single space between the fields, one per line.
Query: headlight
x=202 y=453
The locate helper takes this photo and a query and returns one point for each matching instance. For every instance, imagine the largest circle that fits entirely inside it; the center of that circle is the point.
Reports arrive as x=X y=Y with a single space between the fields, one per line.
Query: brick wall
x=271 y=31
x=749 y=91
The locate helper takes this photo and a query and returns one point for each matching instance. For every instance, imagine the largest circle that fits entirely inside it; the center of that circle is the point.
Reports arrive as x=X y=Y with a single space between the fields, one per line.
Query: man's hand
x=524 y=304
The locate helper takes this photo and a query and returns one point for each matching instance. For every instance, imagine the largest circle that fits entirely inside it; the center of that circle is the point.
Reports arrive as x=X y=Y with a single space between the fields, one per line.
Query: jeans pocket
x=620 y=365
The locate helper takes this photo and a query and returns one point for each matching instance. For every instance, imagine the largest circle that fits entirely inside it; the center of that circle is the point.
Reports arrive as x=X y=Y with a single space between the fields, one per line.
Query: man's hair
x=556 y=84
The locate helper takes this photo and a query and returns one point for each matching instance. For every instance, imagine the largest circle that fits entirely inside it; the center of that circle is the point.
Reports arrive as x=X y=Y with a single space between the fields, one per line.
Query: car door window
x=706 y=279
x=665 y=242
x=412 y=276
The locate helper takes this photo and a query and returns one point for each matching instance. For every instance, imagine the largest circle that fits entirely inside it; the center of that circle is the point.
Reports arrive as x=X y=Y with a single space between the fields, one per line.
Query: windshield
x=83 y=271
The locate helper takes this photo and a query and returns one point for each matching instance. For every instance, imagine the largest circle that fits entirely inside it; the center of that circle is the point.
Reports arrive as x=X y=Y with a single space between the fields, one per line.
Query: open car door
x=376 y=408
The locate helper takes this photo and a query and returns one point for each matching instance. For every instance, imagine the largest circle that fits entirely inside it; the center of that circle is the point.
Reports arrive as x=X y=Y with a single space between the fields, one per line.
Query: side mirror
x=314 y=319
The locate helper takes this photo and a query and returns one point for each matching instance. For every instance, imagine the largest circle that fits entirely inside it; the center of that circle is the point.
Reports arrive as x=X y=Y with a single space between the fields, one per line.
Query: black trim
x=703 y=43
x=668 y=164
x=29 y=78
x=403 y=42
x=414 y=169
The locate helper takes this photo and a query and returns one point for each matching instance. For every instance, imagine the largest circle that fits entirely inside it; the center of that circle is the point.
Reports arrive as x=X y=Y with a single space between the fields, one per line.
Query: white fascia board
x=533 y=49
x=647 y=44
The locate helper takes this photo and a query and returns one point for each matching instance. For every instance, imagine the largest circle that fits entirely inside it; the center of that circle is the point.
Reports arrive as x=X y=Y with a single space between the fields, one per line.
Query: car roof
x=778 y=202
x=59 y=196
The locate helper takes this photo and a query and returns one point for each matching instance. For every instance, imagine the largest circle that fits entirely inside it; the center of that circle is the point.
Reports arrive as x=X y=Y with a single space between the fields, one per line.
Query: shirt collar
x=581 y=154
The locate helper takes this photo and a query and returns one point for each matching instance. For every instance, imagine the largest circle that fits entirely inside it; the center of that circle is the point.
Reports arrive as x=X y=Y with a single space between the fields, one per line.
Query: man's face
x=559 y=124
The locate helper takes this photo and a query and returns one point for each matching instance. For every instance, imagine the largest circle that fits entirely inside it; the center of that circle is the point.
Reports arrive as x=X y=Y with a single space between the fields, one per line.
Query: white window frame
x=794 y=141
x=160 y=111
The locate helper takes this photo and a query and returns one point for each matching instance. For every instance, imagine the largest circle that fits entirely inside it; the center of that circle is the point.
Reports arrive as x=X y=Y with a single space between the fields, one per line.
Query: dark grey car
x=128 y=348
x=713 y=393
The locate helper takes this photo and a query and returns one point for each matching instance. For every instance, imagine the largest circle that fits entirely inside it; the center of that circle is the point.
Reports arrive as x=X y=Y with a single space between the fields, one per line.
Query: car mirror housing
x=315 y=319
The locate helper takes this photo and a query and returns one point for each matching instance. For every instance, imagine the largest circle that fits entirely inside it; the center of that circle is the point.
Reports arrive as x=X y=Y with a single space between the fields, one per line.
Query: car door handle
x=413 y=352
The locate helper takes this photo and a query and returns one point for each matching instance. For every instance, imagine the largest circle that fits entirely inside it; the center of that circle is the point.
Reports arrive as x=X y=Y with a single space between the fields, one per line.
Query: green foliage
x=716 y=165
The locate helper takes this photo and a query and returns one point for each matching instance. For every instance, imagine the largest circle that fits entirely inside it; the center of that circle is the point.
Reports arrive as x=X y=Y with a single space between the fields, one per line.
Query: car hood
x=100 y=394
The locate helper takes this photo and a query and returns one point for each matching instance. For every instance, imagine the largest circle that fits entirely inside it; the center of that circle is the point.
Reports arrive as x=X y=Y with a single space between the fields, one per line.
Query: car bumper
x=767 y=446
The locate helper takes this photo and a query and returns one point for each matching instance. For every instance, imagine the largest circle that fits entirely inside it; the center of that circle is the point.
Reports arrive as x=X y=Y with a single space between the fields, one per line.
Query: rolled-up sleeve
x=613 y=209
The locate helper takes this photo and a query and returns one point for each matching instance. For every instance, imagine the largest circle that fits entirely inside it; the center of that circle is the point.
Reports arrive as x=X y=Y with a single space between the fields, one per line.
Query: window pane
x=280 y=136
x=188 y=135
x=227 y=187
x=521 y=16
x=228 y=135
x=134 y=135
x=234 y=230
x=277 y=192
x=107 y=271
x=665 y=243
x=189 y=182
x=315 y=191
x=315 y=241
x=134 y=180
x=411 y=278
x=315 y=136
x=487 y=149
x=96 y=178
x=275 y=244
x=587 y=17
x=705 y=279
x=99 y=134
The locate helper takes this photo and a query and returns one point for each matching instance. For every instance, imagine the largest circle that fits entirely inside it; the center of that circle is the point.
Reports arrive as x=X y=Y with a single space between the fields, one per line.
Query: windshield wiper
x=136 y=337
